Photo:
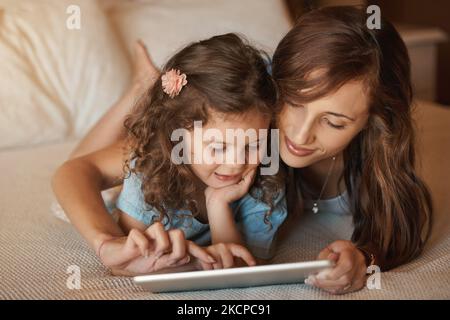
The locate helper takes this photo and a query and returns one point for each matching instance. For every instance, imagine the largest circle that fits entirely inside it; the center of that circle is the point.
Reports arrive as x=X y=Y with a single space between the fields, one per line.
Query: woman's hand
x=349 y=273
x=148 y=251
x=227 y=255
x=230 y=193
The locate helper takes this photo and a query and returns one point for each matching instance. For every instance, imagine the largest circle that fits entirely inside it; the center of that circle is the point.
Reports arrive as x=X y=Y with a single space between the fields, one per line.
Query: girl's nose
x=235 y=165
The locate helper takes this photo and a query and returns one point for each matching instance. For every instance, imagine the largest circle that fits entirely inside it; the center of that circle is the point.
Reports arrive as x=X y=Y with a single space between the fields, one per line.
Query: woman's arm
x=77 y=185
x=349 y=272
x=139 y=250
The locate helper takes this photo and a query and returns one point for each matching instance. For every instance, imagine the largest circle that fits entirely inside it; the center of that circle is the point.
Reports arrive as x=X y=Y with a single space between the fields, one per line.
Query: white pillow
x=56 y=82
x=166 y=26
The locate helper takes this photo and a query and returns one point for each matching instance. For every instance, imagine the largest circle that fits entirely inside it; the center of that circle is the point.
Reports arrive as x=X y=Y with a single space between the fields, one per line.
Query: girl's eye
x=252 y=146
x=335 y=126
x=218 y=148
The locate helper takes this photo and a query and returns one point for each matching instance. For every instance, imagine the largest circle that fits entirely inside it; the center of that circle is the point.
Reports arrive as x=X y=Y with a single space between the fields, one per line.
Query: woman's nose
x=304 y=134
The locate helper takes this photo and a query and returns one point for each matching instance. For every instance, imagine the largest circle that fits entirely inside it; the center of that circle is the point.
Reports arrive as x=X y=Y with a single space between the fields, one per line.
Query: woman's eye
x=335 y=126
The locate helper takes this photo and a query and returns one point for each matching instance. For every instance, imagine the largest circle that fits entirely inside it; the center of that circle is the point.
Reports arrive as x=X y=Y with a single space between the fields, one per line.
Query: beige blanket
x=37 y=250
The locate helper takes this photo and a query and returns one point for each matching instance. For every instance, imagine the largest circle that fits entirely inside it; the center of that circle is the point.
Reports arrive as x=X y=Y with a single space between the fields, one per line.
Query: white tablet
x=232 y=278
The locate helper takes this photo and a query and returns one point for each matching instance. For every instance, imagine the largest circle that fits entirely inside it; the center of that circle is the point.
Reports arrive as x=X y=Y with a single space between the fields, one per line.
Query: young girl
x=221 y=206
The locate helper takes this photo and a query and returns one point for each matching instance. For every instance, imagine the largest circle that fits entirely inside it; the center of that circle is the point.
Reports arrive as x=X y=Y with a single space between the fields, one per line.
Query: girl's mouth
x=224 y=177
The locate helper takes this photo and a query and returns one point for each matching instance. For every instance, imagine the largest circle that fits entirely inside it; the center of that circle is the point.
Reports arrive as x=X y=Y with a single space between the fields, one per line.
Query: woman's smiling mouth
x=295 y=150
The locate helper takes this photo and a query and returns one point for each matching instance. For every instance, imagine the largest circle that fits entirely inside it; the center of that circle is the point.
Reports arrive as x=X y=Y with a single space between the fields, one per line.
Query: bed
x=39 y=252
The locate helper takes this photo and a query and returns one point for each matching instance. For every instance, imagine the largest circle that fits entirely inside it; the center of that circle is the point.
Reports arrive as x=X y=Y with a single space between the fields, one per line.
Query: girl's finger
x=206 y=266
x=140 y=240
x=162 y=242
x=226 y=257
x=218 y=263
x=243 y=253
x=199 y=253
x=248 y=179
x=251 y=175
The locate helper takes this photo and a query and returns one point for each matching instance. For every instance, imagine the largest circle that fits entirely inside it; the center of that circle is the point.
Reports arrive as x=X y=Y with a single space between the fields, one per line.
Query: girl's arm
x=77 y=185
x=221 y=223
x=220 y=216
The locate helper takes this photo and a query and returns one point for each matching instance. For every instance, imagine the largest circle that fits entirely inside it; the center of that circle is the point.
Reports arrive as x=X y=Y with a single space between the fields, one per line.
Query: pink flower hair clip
x=173 y=82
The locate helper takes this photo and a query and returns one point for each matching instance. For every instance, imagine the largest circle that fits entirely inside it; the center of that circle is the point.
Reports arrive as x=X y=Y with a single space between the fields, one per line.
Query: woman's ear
x=366 y=125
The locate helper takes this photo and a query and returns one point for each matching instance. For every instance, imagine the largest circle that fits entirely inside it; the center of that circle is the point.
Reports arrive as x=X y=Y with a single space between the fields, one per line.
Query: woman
x=346 y=129
x=346 y=132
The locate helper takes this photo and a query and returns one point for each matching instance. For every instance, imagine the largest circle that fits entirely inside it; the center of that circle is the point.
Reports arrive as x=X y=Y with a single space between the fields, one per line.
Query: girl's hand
x=225 y=255
x=349 y=273
x=230 y=193
x=148 y=251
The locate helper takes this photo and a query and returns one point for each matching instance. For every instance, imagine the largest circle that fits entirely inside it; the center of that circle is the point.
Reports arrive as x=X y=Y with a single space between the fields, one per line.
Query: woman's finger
x=199 y=253
x=161 y=239
x=137 y=237
x=324 y=254
x=183 y=261
x=243 y=253
x=342 y=283
x=178 y=241
x=329 y=288
x=118 y=251
x=344 y=264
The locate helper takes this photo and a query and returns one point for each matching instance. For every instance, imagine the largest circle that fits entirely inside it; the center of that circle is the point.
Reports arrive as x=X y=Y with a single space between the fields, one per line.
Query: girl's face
x=322 y=128
x=228 y=172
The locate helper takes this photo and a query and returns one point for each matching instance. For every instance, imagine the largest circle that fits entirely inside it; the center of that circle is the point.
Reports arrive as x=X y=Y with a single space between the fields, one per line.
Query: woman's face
x=322 y=128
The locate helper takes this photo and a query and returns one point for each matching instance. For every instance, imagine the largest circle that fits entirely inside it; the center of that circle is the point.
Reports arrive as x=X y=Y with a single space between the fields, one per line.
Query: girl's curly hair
x=225 y=74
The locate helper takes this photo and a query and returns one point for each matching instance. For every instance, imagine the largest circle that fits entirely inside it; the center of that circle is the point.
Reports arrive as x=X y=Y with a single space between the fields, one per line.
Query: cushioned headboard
x=56 y=82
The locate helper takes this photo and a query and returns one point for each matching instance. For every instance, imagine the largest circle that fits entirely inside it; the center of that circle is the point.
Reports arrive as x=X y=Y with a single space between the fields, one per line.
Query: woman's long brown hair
x=225 y=75
x=391 y=206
